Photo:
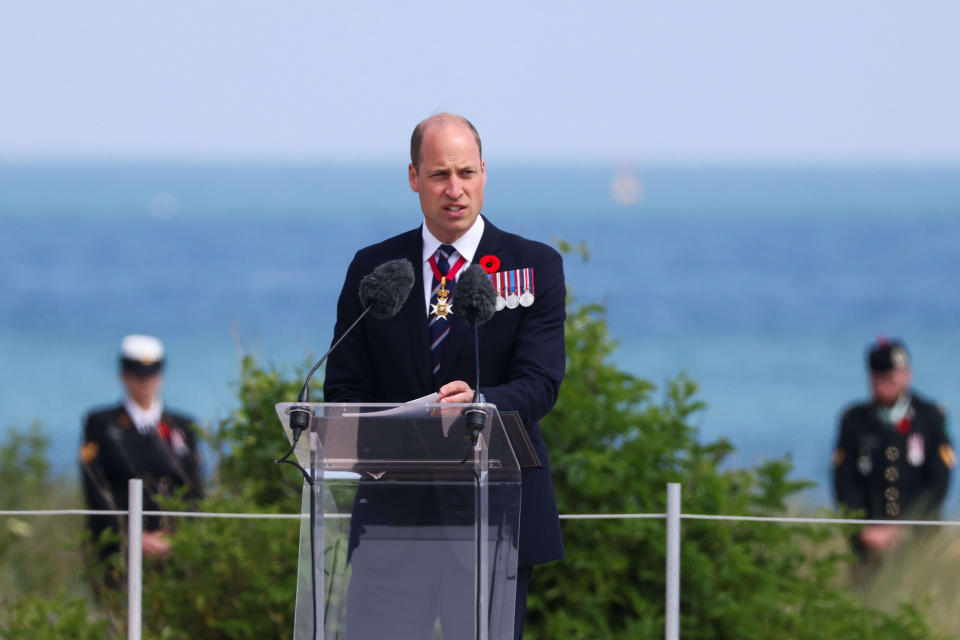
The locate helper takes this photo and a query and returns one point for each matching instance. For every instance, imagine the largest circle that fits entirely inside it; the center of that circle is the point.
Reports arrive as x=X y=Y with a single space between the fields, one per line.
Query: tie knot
x=445 y=251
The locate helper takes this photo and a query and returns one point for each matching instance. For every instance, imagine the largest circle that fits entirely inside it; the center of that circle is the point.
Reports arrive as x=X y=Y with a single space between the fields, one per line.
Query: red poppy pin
x=163 y=429
x=903 y=427
x=490 y=264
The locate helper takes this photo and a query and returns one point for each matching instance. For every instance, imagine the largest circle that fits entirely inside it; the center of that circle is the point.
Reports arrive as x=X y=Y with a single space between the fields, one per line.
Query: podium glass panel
x=416 y=528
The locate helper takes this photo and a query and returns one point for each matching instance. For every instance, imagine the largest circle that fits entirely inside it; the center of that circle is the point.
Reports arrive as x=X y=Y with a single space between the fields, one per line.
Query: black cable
x=285 y=459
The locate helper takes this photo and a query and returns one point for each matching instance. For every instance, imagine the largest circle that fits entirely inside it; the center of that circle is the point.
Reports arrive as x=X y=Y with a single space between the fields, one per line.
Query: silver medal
x=526 y=298
x=501 y=302
x=513 y=284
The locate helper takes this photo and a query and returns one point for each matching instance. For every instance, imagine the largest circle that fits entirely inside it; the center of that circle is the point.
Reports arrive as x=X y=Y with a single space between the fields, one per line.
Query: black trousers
x=404 y=598
x=520 y=616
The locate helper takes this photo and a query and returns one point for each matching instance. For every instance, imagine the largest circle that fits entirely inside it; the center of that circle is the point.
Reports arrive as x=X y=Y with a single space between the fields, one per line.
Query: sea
x=763 y=284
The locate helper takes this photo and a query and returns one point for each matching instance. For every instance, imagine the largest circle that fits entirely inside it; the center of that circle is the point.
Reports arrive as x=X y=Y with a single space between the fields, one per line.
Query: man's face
x=143 y=390
x=888 y=386
x=450 y=180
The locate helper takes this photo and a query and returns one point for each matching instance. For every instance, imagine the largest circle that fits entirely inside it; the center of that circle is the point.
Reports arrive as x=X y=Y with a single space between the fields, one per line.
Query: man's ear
x=414 y=178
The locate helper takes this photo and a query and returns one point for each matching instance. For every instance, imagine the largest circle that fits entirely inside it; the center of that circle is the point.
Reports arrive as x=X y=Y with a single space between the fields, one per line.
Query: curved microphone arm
x=299 y=415
x=305 y=389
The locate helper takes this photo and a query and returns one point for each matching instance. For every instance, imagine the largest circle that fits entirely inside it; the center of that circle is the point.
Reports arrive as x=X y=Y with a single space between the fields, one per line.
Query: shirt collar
x=896 y=413
x=466 y=245
x=144 y=419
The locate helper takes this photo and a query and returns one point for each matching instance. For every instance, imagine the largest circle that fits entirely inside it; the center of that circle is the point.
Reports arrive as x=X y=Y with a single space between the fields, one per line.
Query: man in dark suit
x=138 y=438
x=893 y=457
x=426 y=348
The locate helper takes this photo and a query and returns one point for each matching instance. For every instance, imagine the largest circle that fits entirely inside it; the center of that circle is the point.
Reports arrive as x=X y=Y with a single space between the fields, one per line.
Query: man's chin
x=455 y=224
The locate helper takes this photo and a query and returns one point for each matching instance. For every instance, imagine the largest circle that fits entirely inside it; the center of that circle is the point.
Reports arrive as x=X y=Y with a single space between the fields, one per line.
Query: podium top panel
x=403 y=439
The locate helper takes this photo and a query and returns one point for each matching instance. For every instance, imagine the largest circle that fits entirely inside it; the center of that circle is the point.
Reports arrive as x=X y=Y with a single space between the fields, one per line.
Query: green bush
x=225 y=578
x=228 y=578
x=62 y=618
x=613 y=448
x=40 y=556
x=613 y=445
x=27 y=482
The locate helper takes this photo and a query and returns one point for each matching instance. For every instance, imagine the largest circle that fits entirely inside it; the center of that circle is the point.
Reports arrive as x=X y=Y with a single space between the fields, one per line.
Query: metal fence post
x=134 y=558
x=672 y=631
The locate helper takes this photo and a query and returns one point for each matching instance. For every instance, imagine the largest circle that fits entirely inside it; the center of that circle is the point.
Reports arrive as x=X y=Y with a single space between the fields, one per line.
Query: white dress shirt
x=466 y=246
x=146 y=420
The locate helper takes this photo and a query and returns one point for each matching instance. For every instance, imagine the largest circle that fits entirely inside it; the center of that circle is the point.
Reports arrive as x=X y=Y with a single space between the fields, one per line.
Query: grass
x=925 y=571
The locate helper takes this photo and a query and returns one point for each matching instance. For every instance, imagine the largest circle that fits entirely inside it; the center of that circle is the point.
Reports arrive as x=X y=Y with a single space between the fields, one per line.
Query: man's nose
x=454 y=188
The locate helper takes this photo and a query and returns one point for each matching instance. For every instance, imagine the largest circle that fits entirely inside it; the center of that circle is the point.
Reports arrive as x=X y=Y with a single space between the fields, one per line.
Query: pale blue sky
x=608 y=81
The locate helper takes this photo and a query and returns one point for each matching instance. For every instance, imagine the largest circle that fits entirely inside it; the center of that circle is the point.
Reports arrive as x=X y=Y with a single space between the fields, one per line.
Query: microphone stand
x=476 y=419
x=300 y=417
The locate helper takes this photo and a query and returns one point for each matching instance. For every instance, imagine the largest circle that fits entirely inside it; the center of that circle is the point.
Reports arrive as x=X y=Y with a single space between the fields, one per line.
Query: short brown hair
x=417 y=138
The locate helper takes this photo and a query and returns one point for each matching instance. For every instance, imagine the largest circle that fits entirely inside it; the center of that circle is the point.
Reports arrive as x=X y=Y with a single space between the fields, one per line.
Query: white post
x=673 y=562
x=134 y=557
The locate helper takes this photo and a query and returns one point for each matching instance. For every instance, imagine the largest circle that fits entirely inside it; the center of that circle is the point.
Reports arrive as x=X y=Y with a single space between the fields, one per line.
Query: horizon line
x=613 y=163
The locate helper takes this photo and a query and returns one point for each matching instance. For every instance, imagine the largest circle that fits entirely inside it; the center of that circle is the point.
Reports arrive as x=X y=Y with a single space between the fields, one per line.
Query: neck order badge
x=442 y=307
x=439 y=262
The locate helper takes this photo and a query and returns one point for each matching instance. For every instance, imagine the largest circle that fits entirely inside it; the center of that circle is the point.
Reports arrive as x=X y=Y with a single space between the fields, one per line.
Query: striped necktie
x=439 y=325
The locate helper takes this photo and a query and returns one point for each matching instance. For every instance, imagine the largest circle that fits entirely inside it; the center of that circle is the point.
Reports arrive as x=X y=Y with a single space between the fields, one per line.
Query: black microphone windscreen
x=387 y=287
x=474 y=298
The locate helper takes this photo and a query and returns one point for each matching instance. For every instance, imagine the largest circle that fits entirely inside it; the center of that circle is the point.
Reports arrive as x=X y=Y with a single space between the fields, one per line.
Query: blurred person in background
x=138 y=438
x=893 y=457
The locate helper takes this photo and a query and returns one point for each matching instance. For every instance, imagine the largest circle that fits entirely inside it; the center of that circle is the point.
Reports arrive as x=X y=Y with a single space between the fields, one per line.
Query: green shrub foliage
x=614 y=445
x=228 y=578
x=614 y=441
x=34 y=618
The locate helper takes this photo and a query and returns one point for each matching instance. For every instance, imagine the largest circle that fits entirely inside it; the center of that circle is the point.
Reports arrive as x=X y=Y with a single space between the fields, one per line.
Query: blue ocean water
x=763 y=285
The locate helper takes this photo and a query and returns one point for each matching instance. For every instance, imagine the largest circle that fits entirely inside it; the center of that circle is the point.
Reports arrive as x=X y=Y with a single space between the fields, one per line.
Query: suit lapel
x=489 y=245
x=414 y=314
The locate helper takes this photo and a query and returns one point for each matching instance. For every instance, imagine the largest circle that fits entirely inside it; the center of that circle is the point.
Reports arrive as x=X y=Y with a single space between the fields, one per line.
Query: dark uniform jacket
x=893 y=471
x=522 y=358
x=114 y=451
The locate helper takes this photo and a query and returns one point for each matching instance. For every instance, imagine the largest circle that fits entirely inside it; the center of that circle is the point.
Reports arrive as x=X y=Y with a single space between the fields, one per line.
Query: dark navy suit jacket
x=522 y=358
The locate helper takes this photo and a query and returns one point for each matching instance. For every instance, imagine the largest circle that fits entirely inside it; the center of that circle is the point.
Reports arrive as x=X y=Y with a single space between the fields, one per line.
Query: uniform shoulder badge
x=947 y=455
x=839 y=455
x=89 y=452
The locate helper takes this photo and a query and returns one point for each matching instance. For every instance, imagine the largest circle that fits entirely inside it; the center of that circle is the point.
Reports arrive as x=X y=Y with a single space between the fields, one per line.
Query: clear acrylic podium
x=415 y=529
